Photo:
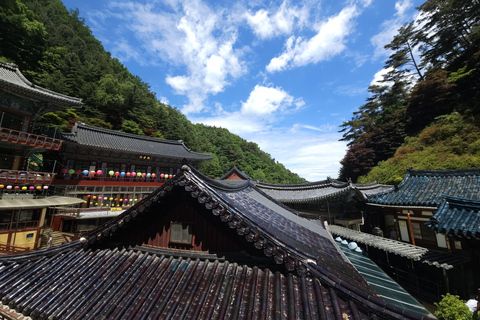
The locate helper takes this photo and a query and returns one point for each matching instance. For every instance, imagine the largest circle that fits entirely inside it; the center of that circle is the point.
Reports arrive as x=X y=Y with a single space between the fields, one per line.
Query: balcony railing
x=29 y=139
x=20 y=177
x=8 y=248
x=19 y=225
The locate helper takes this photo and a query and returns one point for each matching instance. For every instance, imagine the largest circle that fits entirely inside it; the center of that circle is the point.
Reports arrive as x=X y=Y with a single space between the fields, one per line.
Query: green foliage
x=452 y=308
x=23 y=33
x=437 y=110
x=453 y=142
x=130 y=126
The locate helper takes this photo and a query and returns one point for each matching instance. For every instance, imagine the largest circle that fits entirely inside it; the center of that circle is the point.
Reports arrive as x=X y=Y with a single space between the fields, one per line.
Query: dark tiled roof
x=75 y=282
x=320 y=190
x=13 y=80
x=135 y=284
x=457 y=216
x=425 y=188
x=91 y=136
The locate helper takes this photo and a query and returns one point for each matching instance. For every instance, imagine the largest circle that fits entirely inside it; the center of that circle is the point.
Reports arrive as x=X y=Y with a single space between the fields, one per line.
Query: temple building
x=70 y=182
x=435 y=209
x=198 y=248
x=111 y=170
x=24 y=190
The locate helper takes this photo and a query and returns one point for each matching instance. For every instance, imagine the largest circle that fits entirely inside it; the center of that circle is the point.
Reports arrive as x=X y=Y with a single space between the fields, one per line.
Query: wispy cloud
x=267 y=24
x=390 y=27
x=264 y=106
x=327 y=42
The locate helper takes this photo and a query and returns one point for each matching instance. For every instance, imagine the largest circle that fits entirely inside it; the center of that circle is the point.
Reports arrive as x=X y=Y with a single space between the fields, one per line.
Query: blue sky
x=283 y=74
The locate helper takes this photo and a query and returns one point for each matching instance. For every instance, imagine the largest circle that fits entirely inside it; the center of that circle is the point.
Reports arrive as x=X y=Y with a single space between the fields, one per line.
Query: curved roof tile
x=13 y=80
x=424 y=188
x=91 y=136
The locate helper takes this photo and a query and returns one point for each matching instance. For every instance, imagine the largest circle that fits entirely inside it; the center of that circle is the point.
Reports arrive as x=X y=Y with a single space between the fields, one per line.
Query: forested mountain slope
x=55 y=49
x=426 y=112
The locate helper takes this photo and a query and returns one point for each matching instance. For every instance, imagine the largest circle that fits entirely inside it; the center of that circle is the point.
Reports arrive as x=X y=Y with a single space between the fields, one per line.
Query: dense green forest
x=426 y=112
x=55 y=49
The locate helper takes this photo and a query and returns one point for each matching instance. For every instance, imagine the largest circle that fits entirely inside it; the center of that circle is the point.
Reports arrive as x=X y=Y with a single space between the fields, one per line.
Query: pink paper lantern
x=134 y=174
x=99 y=172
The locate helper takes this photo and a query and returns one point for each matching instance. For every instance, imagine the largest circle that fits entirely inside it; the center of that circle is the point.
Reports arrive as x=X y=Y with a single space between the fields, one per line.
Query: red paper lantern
x=16 y=187
x=64 y=170
x=134 y=174
x=153 y=175
x=144 y=174
x=92 y=173
x=117 y=174
x=78 y=171
x=128 y=174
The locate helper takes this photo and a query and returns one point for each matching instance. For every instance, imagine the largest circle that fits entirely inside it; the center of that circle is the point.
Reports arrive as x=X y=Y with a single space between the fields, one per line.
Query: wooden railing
x=18 y=177
x=8 y=248
x=30 y=139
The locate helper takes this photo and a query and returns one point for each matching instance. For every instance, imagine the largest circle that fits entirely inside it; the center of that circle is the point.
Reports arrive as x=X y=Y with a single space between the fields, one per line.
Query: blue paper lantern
x=85 y=172
x=122 y=174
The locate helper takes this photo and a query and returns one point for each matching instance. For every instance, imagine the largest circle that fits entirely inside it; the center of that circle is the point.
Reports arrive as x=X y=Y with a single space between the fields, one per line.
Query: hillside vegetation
x=55 y=49
x=426 y=112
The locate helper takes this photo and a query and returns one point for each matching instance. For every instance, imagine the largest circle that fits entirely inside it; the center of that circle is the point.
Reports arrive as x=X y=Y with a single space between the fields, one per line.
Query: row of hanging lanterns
x=117 y=173
x=107 y=201
x=24 y=188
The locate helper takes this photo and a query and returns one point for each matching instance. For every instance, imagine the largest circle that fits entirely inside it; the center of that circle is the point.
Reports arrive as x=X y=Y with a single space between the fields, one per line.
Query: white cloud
x=328 y=42
x=265 y=105
x=191 y=35
x=390 y=28
x=267 y=25
x=378 y=77
x=312 y=155
x=164 y=100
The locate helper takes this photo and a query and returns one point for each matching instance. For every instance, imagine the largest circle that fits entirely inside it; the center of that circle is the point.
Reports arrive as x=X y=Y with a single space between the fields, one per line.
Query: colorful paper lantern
x=39 y=187
x=71 y=171
x=31 y=187
x=99 y=198
x=45 y=187
x=16 y=187
x=118 y=173
x=131 y=200
x=162 y=176
x=85 y=172
x=121 y=200
x=94 y=197
x=88 y=196
x=149 y=175
x=9 y=187
x=99 y=172
x=134 y=174
x=24 y=188
x=2 y=186
x=110 y=199
x=78 y=171
x=166 y=176
x=64 y=170
x=92 y=173
x=139 y=174
x=153 y=175
x=144 y=174
x=126 y=200
x=128 y=174
x=111 y=172
x=122 y=174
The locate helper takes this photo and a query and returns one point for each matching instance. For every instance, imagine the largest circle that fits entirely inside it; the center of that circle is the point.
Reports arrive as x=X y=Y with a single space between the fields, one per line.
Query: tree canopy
x=431 y=81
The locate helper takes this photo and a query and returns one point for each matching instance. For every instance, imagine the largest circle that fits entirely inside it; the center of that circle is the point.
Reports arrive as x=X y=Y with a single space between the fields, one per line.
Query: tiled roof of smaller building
x=457 y=216
x=320 y=190
x=12 y=79
x=91 y=136
x=425 y=188
x=237 y=172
